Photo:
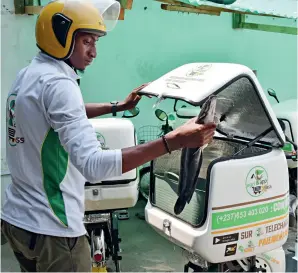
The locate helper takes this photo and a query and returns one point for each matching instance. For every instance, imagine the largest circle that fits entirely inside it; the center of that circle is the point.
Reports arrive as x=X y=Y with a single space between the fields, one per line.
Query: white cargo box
x=242 y=190
x=116 y=192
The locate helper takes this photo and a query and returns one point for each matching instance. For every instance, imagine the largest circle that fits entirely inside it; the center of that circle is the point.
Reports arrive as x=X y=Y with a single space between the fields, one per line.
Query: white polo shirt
x=52 y=150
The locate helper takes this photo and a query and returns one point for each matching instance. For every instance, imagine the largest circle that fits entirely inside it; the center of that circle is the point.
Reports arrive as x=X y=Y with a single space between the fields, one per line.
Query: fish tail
x=179 y=206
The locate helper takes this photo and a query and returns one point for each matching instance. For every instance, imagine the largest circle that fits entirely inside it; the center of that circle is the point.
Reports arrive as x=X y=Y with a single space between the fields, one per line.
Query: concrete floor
x=143 y=250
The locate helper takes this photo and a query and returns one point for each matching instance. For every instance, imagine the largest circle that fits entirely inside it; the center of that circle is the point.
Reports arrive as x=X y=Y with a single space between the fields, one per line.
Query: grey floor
x=143 y=250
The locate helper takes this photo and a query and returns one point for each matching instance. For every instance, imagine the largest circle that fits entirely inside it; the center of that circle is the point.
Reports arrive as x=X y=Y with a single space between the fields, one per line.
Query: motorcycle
x=104 y=205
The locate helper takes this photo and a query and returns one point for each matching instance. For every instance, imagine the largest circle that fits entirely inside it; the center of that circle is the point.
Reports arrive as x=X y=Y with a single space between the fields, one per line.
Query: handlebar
x=293 y=157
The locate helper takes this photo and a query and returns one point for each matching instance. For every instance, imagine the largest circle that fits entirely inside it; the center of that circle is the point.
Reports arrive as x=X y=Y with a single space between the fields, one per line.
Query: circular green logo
x=257 y=181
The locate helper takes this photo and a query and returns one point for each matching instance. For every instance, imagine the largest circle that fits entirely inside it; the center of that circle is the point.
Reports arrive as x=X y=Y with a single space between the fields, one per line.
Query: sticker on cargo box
x=231 y=250
x=226 y=239
x=242 y=216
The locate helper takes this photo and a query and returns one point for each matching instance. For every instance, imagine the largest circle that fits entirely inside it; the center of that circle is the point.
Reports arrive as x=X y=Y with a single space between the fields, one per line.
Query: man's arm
x=136 y=156
x=190 y=135
x=65 y=112
x=99 y=109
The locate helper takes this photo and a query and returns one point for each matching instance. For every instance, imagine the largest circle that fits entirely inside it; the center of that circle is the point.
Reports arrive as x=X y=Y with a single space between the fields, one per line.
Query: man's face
x=84 y=50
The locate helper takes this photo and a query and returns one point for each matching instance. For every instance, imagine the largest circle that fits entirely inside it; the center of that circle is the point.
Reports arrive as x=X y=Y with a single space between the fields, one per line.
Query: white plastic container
x=117 y=192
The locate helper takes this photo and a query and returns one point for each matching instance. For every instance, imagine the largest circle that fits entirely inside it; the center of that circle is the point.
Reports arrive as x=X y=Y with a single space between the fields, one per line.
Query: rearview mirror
x=272 y=93
x=282 y=125
x=161 y=115
x=131 y=113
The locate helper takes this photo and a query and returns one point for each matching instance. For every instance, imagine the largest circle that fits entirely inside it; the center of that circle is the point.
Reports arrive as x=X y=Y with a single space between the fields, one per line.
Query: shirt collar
x=64 y=66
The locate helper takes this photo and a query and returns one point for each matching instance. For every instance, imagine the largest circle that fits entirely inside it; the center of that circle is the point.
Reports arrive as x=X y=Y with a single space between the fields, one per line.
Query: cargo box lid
x=242 y=107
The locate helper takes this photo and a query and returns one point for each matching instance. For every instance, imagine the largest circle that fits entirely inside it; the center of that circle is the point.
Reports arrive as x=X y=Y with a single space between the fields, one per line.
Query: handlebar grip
x=293 y=157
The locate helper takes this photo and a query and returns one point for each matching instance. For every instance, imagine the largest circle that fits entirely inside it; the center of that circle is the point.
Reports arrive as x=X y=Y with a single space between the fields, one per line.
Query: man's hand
x=132 y=99
x=99 y=109
x=191 y=135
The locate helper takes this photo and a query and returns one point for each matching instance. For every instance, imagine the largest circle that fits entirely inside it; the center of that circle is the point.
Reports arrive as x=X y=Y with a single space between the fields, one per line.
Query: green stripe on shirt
x=54 y=160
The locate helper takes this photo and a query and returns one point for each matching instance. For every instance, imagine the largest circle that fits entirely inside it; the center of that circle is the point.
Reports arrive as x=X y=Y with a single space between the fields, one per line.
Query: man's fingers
x=192 y=120
x=209 y=136
x=208 y=140
x=141 y=87
x=137 y=98
x=209 y=132
x=204 y=128
x=209 y=126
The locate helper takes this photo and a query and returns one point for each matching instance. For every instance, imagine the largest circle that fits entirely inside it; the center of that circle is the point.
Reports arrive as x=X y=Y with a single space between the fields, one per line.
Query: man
x=52 y=148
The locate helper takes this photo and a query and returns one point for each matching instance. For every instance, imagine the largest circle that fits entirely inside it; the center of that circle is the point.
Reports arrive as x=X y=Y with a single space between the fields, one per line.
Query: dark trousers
x=43 y=253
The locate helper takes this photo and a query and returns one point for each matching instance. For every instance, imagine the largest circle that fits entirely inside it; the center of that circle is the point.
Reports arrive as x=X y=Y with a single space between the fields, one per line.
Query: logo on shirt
x=11 y=121
x=102 y=141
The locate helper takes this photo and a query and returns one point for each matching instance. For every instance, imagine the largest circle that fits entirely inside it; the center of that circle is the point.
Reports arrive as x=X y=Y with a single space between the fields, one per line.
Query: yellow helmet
x=60 y=20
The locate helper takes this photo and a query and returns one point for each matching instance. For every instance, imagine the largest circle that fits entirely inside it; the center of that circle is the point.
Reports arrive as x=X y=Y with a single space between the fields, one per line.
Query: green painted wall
x=150 y=42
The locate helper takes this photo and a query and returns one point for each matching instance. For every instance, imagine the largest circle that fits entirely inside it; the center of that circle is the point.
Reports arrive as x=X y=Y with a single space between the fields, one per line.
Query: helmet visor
x=108 y=10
